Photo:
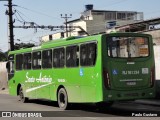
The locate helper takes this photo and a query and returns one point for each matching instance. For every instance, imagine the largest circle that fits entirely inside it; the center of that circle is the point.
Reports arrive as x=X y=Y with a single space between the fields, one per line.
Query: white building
x=98 y=21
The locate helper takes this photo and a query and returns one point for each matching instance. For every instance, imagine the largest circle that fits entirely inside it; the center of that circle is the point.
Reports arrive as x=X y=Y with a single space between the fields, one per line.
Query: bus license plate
x=131 y=83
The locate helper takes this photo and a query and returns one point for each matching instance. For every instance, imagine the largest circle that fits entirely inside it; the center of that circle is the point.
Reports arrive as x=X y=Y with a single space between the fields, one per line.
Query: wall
x=156 y=40
x=3 y=75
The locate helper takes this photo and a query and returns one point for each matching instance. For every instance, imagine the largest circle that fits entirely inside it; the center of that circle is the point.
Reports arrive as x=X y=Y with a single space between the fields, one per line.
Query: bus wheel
x=21 y=95
x=62 y=99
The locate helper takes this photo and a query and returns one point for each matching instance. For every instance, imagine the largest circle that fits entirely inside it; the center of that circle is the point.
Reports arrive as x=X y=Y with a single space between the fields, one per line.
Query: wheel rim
x=62 y=100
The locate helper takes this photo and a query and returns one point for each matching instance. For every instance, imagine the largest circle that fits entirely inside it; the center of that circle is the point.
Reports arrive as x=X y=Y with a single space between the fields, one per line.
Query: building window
x=88 y=54
x=19 y=62
x=36 y=60
x=121 y=16
x=110 y=16
x=58 y=58
x=47 y=59
x=27 y=61
x=72 y=56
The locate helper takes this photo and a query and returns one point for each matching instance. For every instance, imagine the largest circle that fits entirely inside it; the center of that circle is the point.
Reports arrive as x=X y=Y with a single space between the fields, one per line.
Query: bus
x=96 y=69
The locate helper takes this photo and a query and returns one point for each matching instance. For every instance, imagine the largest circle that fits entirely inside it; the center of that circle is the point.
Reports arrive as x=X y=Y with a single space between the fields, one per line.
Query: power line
x=38 y=12
x=20 y=16
x=23 y=14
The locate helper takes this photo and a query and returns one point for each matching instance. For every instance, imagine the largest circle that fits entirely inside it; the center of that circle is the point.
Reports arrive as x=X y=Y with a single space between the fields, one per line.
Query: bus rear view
x=128 y=66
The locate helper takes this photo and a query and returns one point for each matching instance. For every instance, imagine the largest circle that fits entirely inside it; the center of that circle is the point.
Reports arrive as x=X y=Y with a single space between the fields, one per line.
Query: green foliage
x=23 y=45
x=3 y=57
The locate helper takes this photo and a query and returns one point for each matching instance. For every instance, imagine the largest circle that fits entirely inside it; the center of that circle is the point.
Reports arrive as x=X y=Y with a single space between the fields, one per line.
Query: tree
x=3 y=56
x=18 y=46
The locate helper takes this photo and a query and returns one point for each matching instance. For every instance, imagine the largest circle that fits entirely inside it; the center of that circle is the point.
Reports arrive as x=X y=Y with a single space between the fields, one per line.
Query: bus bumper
x=113 y=95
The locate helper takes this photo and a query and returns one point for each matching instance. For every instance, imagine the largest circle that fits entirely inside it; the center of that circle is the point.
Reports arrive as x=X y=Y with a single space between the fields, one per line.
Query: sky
x=47 y=12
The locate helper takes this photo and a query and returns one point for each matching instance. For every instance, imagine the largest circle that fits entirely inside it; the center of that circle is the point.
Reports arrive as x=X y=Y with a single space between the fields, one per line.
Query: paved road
x=11 y=103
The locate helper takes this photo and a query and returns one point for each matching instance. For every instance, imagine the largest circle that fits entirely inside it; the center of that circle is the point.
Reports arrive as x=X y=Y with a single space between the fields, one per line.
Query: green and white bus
x=94 y=69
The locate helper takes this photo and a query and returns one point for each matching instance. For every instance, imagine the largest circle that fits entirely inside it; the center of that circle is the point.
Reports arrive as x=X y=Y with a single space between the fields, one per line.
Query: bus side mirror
x=7 y=66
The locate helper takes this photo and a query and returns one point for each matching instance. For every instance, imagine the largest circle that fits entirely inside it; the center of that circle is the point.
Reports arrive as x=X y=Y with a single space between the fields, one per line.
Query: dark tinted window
x=58 y=58
x=72 y=56
x=19 y=62
x=27 y=61
x=88 y=54
x=47 y=59
x=36 y=60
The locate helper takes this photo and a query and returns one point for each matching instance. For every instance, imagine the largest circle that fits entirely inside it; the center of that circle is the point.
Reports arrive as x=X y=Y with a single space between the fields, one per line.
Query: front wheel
x=21 y=96
x=62 y=99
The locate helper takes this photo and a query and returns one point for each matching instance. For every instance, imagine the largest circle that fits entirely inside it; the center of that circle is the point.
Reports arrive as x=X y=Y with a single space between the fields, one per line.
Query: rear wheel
x=62 y=99
x=21 y=96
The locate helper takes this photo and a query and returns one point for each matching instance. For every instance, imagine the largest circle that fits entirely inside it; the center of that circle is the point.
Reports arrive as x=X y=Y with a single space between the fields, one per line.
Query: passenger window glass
x=19 y=62
x=27 y=61
x=47 y=59
x=92 y=48
x=36 y=60
x=88 y=54
x=72 y=56
x=58 y=58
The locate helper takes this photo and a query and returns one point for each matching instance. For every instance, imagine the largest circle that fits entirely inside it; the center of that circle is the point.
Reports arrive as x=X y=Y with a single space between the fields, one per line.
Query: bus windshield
x=128 y=47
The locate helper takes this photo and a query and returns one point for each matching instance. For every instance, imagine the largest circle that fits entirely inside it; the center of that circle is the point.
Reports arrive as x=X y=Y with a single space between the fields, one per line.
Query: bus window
x=47 y=59
x=92 y=48
x=124 y=47
x=58 y=58
x=19 y=62
x=83 y=55
x=72 y=57
x=88 y=54
x=27 y=61
x=36 y=60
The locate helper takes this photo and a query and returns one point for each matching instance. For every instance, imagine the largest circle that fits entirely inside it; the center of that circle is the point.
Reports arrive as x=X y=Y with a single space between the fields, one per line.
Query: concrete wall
x=156 y=39
x=3 y=75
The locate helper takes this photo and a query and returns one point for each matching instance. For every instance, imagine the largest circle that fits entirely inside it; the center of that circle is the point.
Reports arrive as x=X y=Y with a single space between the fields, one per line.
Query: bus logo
x=114 y=72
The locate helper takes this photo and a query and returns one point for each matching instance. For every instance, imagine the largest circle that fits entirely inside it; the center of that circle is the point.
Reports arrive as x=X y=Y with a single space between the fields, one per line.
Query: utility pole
x=10 y=13
x=66 y=17
x=11 y=35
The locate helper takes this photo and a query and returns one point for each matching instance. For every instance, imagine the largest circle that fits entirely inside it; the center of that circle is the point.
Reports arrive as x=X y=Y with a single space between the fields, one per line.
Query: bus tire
x=21 y=96
x=62 y=99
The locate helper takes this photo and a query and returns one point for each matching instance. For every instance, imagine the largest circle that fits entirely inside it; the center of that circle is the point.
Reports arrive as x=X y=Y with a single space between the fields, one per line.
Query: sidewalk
x=155 y=102
x=4 y=91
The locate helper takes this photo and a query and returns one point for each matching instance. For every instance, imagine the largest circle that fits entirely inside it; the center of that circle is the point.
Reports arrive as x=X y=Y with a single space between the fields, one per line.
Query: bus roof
x=70 y=40
x=56 y=43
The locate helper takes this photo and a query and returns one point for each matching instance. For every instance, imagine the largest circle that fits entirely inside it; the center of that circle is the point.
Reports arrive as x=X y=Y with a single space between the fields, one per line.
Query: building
x=98 y=21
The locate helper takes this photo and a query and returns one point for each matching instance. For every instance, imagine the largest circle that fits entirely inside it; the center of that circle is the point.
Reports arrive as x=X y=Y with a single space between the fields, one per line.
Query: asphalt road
x=88 y=111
